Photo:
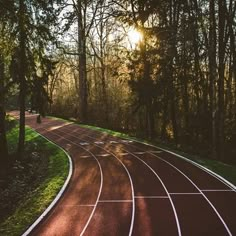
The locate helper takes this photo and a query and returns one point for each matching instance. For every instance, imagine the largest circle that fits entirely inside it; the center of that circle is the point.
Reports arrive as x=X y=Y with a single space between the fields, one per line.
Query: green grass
x=44 y=190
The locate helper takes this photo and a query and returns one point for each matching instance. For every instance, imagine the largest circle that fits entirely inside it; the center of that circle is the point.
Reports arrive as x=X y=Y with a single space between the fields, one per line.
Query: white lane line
x=156 y=151
x=213 y=207
x=221 y=219
x=132 y=190
x=84 y=157
x=77 y=205
x=59 y=195
x=139 y=153
x=126 y=141
x=131 y=184
x=170 y=199
x=151 y=197
x=103 y=155
x=185 y=193
x=82 y=143
x=115 y=142
x=208 y=171
x=123 y=154
x=98 y=142
x=111 y=201
x=217 y=190
x=101 y=181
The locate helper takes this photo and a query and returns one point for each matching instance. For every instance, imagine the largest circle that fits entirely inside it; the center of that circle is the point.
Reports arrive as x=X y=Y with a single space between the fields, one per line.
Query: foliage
x=32 y=184
x=171 y=86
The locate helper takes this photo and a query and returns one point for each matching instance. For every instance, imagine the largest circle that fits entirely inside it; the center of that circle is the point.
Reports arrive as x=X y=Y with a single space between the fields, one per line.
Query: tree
x=181 y=76
x=6 y=45
x=85 y=13
x=36 y=23
x=3 y=139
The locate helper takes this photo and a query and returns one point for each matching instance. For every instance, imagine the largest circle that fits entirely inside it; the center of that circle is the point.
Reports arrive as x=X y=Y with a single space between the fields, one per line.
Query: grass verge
x=34 y=183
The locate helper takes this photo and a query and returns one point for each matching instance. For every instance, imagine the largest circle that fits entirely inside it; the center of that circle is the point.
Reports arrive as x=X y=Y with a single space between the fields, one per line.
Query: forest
x=161 y=70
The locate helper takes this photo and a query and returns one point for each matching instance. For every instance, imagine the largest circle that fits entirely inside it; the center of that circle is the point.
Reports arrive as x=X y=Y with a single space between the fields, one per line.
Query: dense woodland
x=74 y=58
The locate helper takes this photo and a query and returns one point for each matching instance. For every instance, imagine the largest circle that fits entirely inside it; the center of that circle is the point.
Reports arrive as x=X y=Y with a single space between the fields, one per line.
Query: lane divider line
x=84 y=157
x=97 y=142
x=210 y=172
x=151 y=197
x=210 y=203
x=206 y=170
x=84 y=144
x=126 y=141
x=115 y=142
x=129 y=176
x=111 y=201
x=103 y=155
x=217 y=190
x=169 y=197
x=156 y=151
x=101 y=181
x=185 y=193
x=77 y=205
x=123 y=154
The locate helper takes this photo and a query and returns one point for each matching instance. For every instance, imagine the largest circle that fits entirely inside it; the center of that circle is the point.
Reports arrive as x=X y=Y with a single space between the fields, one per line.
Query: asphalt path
x=123 y=187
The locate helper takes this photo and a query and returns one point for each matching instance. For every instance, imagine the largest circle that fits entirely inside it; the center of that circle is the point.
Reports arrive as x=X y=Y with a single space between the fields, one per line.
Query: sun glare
x=134 y=37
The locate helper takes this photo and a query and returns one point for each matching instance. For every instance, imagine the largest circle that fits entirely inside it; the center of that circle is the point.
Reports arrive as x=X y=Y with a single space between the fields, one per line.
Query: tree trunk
x=221 y=55
x=173 y=117
x=83 y=93
x=3 y=139
x=22 y=75
x=212 y=75
x=165 y=116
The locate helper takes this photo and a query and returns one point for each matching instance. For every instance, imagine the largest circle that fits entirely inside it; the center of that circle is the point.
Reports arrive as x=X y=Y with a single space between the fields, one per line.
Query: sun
x=134 y=37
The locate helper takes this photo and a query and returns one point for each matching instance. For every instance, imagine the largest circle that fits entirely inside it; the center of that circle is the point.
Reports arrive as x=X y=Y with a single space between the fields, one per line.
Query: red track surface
x=127 y=188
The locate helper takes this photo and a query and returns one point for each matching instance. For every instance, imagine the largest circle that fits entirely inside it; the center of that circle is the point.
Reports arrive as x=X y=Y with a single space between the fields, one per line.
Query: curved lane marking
x=213 y=207
x=210 y=172
x=170 y=199
x=101 y=181
x=168 y=194
x=220 y=178
x=130 y=179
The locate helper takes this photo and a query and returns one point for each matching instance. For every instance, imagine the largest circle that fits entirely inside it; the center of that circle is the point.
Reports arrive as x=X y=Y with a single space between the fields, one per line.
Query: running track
x=121 y=187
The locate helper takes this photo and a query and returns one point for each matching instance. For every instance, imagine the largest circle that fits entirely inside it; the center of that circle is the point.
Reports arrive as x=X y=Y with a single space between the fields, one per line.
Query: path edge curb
x=58 y=196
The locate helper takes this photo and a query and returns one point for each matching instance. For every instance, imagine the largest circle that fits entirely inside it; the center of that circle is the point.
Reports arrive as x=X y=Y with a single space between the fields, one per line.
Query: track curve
x=122 y=187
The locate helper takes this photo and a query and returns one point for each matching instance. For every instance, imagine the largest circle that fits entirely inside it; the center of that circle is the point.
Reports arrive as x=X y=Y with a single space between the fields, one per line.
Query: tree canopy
x=165 y=70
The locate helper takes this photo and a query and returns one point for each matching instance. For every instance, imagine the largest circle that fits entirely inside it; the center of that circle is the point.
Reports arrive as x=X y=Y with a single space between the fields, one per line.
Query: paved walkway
x=121 y=187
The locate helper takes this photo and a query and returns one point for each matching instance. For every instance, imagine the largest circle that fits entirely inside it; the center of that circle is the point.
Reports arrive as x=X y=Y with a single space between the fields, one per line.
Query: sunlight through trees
x=160 y=69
